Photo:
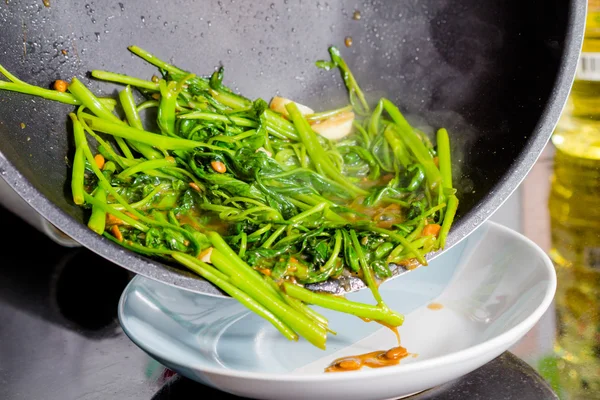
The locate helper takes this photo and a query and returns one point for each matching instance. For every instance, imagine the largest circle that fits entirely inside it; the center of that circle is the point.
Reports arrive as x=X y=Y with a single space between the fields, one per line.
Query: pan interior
x=484 y=70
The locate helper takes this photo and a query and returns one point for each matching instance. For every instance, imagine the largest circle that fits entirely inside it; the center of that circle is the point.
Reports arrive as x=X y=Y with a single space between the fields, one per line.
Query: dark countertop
x=60 y=338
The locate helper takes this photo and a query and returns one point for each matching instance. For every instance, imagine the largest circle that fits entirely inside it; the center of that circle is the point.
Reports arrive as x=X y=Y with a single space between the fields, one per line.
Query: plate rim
x=459 y=356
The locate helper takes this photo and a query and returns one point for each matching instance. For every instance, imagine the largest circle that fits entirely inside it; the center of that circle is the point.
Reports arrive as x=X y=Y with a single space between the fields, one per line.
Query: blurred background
x=558 y=207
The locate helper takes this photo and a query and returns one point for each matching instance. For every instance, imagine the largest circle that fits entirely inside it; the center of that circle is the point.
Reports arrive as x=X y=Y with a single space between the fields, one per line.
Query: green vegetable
x=443 y=145
x=133 y=117
x=124 y=79
x=353 y=88
x=415 y=144
x=377 y=313
x=78 y=174
x=222 y=281
x=320 y=159
x=97 y=220
x=448 y=219
x=251 y=200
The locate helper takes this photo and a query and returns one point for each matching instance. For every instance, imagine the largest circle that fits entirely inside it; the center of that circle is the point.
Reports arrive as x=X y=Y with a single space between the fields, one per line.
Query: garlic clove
x=278 y=104
x=335 y=128
x=205 y=255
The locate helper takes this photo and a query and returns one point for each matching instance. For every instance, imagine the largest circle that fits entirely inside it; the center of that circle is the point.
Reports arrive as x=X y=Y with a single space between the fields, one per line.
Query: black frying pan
x=496 y=73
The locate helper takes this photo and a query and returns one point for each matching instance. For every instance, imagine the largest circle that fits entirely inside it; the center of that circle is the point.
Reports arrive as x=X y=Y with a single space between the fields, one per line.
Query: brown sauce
x=215 y=223
x=435 y=306
x=392 y=328
x=375 y=359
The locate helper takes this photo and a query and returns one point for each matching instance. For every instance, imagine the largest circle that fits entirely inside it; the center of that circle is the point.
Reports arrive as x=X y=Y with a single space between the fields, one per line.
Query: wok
x=495 y=73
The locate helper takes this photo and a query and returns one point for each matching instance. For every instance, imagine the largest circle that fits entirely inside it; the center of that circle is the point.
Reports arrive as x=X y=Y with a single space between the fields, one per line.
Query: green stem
x=105 y=184
x=349 y=80
x=147 y=165
x=124 y=148
x=327 y=114
x=399 y=149
x=97 y=221
x=328 y=268
x=166 y=108
x=25 y=88
x=316 y=151
x=425 y=214
x=78 y=174
x=237 y=139
x=181 y=173
x=232 y=262
x=374 y=120
x=330 y=215
x=220 y=280
x=231 y=100
x=361 y=310
x=243 y=244
x=341 y=187
x=279 y=126
x=444 y=159
x=207 y=116
x=417 y=231
x=147 y=104
x=335 y=252
x=148 y=251
x=104 y=146
x=403 y=241
x=248 y=280
x=133 y=117
x=448 y=219
x=366 y=270
x=10 y=76
x=107 y=208
x=124 y=79
x=294 y=221
x=90 y=101
x=415 y=145
x=152 y=59
x=259 y=232
x=127 y=132
x=145 y=201
x=271 y=239
x=298 y=305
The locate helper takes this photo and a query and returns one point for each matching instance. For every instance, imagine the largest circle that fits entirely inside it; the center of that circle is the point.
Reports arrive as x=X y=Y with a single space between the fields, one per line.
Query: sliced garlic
x=267 y=152
x=336 y=127
x=205 y=255
x=278 y=104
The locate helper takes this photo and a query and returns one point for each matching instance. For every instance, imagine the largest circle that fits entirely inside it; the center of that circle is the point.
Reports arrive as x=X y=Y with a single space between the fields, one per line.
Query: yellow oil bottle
x=574 y=205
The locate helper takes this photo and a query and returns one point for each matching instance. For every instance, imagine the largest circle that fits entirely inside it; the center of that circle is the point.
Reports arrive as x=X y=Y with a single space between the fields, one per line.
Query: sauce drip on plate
x=435 y=306
x=394 y=329
x=375 y=359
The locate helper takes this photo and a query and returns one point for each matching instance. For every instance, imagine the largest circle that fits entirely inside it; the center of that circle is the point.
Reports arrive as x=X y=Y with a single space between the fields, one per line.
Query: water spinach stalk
x=261 y=199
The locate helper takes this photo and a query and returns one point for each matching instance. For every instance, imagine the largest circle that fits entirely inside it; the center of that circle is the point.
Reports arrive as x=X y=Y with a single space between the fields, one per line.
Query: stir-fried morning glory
x=259 y=198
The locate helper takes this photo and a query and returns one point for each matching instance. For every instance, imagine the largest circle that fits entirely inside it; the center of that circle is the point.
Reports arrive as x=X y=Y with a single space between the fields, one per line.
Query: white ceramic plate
x=494 y=286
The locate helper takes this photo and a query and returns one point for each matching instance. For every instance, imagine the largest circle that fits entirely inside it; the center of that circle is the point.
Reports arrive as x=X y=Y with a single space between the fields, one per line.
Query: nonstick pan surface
x=495 y=73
